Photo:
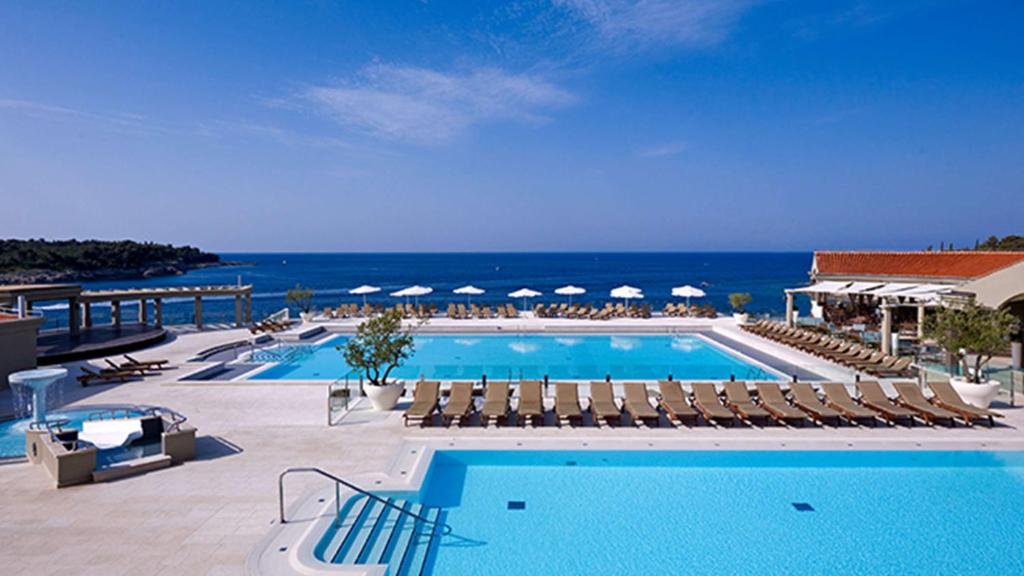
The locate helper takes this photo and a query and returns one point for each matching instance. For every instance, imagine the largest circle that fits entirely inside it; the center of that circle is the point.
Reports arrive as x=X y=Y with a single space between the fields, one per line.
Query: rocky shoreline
x=152 y=271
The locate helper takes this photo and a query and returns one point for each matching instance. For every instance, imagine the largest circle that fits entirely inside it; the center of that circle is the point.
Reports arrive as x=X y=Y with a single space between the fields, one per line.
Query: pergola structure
x=919 y=279
x=21 y=297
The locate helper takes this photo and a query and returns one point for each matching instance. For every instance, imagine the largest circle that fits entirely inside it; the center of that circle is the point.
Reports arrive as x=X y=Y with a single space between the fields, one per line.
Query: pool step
x=371 y=532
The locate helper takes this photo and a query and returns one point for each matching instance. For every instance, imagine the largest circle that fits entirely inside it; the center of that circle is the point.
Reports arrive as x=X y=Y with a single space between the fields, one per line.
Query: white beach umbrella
x=627 y=293
x=687 y=292
x=414 y=292
x=524 y=293
x=364 y=290
x=570 y=291
x=469 y=291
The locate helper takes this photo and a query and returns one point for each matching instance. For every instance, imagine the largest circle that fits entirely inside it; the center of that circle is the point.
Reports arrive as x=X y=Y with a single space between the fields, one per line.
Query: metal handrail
x=446 y=529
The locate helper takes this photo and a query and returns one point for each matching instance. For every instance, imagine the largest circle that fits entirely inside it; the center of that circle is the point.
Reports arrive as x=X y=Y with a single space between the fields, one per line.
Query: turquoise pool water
x=561 y=357
x=12 y=432
x=728 y=512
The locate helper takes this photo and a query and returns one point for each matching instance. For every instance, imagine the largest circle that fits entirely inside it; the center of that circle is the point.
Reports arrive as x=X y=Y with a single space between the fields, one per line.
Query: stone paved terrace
x=206 y=516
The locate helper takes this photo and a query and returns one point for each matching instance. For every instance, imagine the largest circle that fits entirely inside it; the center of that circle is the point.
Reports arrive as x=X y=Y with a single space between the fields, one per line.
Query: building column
x=789 y=308
x=143 y=312
x=115 y=313
x=248 y=307
x=199 y=312
x=920 y=321
x=87 y=314
x=158 y=312
x=886 y=329
x=238 y=310
x=74 y=321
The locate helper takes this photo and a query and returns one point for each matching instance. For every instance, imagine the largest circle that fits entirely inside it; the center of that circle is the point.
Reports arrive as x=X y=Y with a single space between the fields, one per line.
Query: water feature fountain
x=38 y=381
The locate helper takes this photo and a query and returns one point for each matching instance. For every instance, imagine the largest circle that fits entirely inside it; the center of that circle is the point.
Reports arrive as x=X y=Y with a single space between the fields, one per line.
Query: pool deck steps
x=373 y=533
x=131 y=468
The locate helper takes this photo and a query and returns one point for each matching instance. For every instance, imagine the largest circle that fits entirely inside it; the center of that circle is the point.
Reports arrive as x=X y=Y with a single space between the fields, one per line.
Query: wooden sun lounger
x=706 y=400
x=947 y=397
x=806 y=398
x=838 y=397
x=496 y=405
x=567 y=403
x=637 y=403
x=872 y=396
x=114 y=367
x=531 y=402
x=910 y=396
x=738 y=399
x=673 y=402
x=158 y=364
x=459 y=405
x=88 y=375
x=603 y=408
x=425 y=399
x=774 y=401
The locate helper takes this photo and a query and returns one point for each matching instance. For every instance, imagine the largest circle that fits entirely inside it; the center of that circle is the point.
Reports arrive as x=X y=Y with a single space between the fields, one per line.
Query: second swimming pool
x=532 y=356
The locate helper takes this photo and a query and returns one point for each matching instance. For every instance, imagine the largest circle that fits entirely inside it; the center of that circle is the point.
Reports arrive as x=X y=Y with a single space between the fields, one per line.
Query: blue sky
x=535 y=125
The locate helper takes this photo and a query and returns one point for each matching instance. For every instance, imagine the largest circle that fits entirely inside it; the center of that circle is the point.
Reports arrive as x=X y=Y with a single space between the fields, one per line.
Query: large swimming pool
x=716 y=513
x=560 y=357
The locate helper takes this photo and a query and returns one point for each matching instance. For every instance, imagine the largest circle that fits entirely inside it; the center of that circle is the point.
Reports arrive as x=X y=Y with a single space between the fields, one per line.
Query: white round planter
x=384 y=398
x=980 y=395
x=741 y=318
x=307 y=317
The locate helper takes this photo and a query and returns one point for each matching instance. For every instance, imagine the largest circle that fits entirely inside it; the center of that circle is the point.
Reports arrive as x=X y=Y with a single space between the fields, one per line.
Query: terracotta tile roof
x=924 y=264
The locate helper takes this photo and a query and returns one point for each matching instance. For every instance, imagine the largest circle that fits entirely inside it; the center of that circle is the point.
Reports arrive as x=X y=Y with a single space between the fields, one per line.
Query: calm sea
x=764 y=275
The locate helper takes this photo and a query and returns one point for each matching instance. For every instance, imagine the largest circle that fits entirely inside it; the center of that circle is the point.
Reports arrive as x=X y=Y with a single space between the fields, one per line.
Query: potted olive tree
x=301 y=298
x=971 y=335
x=379 y=346
x=739 y=301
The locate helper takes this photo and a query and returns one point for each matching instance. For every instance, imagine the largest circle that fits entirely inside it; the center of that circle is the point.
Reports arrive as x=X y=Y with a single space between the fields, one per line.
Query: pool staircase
x=373 y=532
x=371 y=529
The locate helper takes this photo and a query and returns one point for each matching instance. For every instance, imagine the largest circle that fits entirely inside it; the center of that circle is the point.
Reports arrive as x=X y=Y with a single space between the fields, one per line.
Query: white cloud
x=662 y=150
x=426 y=106
x=625 y=25
x=118 y=121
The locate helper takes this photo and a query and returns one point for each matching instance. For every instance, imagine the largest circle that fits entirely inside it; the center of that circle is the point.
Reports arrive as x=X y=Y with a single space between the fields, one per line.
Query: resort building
x=897 y=288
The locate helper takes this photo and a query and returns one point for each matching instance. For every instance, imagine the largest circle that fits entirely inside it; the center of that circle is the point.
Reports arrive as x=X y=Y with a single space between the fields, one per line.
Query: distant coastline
x=50 y=261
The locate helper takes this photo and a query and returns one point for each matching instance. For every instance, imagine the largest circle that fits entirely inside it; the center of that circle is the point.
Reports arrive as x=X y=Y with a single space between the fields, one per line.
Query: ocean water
x=532 y=356
x=906 y=513
x=764 y=275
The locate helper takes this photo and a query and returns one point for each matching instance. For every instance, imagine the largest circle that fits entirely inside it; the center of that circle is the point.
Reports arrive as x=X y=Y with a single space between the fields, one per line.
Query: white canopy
x=688 y=292
x=524 y=293
x=626 y=292
x=570 y=290
x=471 y=290
x=364 y=290
x=416 y=291
x=826 y=287
x=859 y=288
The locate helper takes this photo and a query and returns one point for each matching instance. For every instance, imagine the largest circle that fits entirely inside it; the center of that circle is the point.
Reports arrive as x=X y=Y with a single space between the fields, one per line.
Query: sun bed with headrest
x=774 y=401
x=945 y=396
x=806 y=398
x=707 y=401
x=637 y=404
x=872 y=396
x=672 y=400
x=567 y=403
x=425 y=399
x=603 y=408
x=496 y=404
x=460 y=403
x=738 y=399
x=909 y=395
x=531 y=402
x=838 y=397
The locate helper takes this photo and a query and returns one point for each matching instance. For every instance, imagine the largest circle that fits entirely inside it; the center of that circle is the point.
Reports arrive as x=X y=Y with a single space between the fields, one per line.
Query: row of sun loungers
x=588 y=312
x=731 y=405
x=462 y=312
x=121 y=371
x=838 y=350
x=268 y=325
x=704 y=311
